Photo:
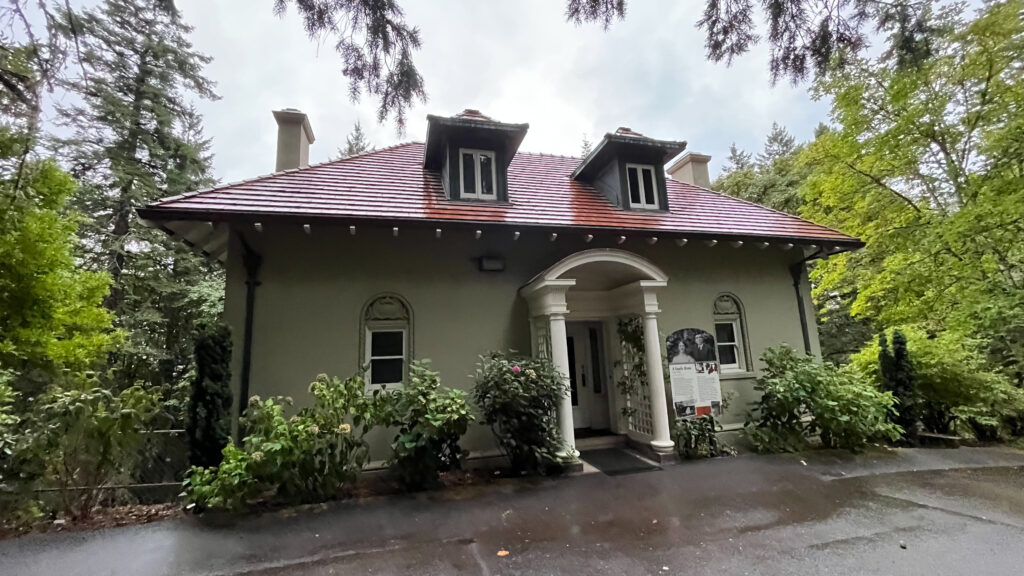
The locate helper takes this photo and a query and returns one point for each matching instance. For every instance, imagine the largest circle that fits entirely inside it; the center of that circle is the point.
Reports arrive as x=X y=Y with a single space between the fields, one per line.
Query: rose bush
x=519 y=399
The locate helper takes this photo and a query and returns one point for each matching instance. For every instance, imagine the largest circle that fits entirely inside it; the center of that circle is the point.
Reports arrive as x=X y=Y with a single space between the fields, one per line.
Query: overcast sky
x=515 y=61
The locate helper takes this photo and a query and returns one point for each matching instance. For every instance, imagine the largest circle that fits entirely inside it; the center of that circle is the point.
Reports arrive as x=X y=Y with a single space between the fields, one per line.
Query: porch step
x=599 y=442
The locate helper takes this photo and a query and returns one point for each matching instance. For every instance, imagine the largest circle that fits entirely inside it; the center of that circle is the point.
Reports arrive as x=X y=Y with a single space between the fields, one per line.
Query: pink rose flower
x=516 y=369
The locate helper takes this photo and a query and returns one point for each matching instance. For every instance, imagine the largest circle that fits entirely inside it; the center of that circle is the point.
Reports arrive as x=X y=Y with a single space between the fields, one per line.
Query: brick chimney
x=691 y=168
x=294 y=135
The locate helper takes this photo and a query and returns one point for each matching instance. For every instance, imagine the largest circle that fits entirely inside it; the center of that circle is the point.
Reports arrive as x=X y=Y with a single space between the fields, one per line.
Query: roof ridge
x=552 y=154
x=755 y=204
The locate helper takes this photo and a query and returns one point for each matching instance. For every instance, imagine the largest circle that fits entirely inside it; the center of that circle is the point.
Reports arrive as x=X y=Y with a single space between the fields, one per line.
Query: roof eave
x=159 y=214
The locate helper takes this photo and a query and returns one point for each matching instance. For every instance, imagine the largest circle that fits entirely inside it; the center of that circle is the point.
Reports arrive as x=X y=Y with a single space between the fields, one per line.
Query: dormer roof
x=469 y=124
x=624 y=139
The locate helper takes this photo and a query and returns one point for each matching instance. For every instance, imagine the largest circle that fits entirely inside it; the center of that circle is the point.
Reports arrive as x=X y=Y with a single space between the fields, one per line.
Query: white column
x=560 y=359
x=662 y=442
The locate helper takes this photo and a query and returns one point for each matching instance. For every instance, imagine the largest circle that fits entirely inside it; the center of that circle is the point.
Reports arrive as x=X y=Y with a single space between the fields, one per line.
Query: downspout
x=796 y=270
x=252 y=262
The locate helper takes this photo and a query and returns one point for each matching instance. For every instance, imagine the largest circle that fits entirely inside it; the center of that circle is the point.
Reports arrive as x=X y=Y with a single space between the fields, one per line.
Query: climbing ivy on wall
x=634 y=371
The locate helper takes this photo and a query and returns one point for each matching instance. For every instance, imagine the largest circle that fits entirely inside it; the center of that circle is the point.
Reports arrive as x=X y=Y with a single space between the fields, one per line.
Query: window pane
x=634 y=185
x=649 y=187
x=468 y=174
x=725 y=332
x=386 y=344
x=386 y=371
x=727 y=354
x=486 y=175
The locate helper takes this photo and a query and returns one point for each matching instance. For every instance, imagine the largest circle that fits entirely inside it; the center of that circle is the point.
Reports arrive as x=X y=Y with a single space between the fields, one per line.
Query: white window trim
x=737 y=330
x=368 y=355
x=640 y=182
x=476 y=173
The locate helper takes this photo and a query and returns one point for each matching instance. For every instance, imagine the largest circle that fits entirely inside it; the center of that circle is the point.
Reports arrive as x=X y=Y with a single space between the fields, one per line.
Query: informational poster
x=693 y=373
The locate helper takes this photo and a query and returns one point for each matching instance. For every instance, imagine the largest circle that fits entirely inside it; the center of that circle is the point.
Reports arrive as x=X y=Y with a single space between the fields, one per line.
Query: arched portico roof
x=562 y=269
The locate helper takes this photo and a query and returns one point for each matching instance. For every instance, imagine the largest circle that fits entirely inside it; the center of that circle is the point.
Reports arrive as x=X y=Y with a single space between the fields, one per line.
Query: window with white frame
x=386 y=341
x=729 y=334
x=643 y=187
x=479 y=174
x=385 y=356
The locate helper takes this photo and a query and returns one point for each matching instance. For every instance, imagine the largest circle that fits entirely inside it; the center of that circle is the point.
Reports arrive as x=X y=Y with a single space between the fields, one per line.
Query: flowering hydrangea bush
x=310 y=457
x=430 y=420
x=519 y=399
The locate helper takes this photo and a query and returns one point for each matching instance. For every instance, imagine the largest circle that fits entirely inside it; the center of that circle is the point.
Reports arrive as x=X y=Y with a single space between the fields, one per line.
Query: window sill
x=478 y=201
x=737 y=375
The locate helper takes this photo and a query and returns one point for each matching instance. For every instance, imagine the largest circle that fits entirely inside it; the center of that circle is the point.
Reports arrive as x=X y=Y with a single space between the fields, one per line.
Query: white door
x=586 y=376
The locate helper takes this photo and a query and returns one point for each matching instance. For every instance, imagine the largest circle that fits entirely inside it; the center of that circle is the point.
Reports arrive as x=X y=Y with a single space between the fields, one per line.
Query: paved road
x=900 y=512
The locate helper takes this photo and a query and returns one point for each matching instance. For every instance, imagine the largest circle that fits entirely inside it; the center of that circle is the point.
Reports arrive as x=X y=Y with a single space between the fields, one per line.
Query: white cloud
x=518 y=62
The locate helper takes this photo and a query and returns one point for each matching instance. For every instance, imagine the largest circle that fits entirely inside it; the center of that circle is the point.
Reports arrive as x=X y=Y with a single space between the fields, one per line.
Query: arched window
x=730 y=334
x=386 y=340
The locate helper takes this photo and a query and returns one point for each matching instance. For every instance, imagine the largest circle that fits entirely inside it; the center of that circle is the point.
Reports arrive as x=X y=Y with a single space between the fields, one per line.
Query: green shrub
x=698 y=438
x=83 y=435
x=309 y=457
x=957 y=389
x=15 y=500
x=519 y=400
x=208 y=425
x=801 y=398
x=430 y=421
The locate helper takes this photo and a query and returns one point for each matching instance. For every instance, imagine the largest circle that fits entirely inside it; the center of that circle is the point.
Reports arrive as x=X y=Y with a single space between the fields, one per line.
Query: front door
x=587 y=375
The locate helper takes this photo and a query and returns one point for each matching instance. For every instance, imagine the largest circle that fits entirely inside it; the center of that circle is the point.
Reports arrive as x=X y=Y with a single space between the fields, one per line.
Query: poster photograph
x=694 y=373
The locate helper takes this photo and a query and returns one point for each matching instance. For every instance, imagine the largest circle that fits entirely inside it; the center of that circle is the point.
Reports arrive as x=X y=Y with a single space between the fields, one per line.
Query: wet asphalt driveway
x=894 y=512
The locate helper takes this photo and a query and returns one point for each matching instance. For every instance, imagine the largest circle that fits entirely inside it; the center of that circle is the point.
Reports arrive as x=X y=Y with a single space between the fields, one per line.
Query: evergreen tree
x=585 y=147
x=137 y=139
x=804 y=36
x=738 y=160
x=772 y=179
x=208 y=425
x=898 y=378
x=355 y=143
x=779 y=144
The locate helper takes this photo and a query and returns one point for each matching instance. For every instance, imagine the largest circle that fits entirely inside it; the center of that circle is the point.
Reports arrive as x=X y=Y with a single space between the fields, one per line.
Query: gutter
x=252 y=261
x=797 y=270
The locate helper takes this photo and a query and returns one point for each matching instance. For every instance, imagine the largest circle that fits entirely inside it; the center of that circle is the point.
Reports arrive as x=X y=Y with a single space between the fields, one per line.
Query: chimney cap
x=627 y=131
x=294 y=115
x=687 y=158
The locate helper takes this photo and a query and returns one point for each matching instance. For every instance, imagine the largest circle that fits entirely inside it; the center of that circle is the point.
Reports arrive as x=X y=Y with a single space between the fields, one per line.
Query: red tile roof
x=391 y=185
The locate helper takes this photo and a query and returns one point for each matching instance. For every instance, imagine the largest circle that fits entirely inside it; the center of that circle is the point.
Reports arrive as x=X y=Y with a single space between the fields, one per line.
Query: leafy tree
x=355 y=143
x=925 y=166
x=136 y=139
x=585 y=147
x=50 y=311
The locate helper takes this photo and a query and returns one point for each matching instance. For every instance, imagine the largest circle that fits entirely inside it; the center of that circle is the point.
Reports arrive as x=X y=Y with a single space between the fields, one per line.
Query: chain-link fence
x=161 y=467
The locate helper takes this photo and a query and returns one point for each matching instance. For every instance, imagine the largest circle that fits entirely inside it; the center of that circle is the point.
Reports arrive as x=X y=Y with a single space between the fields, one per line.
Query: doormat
x=616 y=461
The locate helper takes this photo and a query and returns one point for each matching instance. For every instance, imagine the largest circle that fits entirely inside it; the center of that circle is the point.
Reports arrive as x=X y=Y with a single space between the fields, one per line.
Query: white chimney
x=691 y=168
x=294 y=135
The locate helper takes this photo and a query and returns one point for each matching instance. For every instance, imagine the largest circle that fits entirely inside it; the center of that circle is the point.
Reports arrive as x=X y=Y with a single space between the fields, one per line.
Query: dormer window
x=479 y=174
x=643 y=192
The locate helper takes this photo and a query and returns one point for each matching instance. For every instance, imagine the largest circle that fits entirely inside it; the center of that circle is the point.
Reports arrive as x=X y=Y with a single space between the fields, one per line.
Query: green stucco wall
x=313 y=289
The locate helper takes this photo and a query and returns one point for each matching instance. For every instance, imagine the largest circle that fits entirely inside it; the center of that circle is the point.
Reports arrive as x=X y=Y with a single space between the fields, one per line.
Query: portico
x=603 y=285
